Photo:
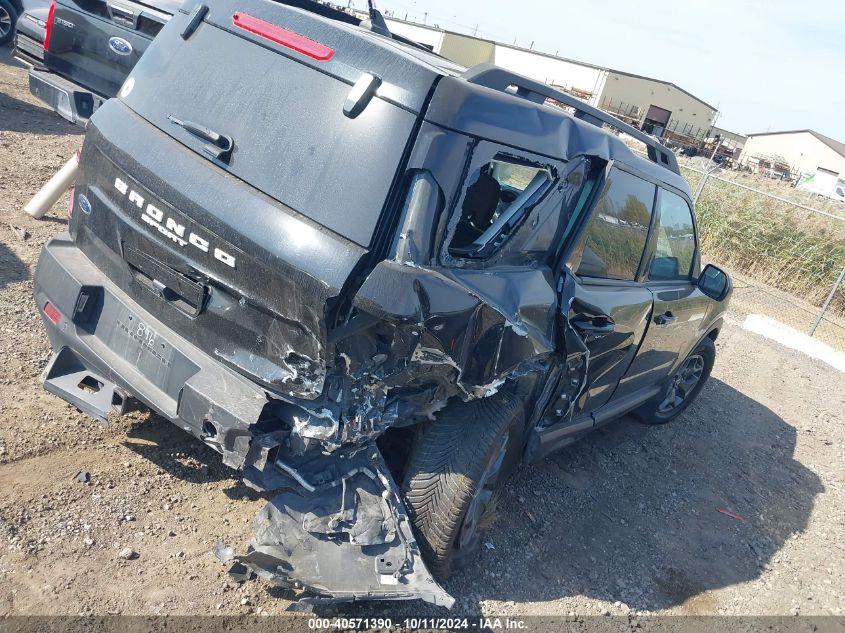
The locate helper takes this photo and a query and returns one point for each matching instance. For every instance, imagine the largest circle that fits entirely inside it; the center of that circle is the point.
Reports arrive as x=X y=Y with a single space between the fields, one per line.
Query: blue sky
x=767 y=65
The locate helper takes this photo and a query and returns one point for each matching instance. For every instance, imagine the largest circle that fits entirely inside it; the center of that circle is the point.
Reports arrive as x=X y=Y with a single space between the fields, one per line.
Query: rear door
x=96 y=43
x=611 y=306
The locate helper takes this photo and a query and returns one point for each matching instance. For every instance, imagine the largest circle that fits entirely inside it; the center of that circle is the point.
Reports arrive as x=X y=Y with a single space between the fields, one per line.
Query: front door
x=679 y=307
x=610 y=306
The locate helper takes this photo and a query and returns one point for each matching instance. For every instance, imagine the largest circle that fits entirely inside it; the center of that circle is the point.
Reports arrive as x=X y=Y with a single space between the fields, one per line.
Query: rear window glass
x=616 y=234
x=291 y=138
x=168 y=6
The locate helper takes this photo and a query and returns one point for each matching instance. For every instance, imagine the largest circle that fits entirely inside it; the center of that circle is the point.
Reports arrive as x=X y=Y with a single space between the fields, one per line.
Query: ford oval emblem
x=84 y=204
x=120 y=46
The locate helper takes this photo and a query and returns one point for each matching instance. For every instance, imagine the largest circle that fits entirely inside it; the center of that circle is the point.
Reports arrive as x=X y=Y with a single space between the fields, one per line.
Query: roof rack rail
x=497 y=78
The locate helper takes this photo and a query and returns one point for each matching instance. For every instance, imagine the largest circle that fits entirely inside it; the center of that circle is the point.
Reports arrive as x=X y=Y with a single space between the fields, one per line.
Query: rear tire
x=456 y=466
x=8 y=18
x=682 y=388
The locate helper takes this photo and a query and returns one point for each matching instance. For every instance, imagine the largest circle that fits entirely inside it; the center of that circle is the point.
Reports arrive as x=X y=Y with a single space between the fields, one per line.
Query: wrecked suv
x=374 y=281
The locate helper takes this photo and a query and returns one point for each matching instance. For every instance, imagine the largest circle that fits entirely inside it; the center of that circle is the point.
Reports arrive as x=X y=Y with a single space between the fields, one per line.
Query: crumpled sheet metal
x=440 y=341
x=348 y=540
x=338 y=527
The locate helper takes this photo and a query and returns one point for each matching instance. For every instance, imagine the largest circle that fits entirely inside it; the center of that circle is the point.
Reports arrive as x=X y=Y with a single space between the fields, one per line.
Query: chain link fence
x=784 y=249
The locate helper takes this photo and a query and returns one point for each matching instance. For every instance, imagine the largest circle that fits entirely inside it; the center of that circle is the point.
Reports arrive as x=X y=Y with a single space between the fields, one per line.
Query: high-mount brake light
x=49 y=27
x=282 y=36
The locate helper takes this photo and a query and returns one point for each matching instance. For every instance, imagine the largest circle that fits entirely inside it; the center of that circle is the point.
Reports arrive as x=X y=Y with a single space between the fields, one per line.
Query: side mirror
x=715 y=283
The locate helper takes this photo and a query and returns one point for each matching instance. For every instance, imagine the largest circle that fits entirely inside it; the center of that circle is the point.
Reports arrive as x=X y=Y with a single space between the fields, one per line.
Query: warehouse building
x=730 y=139
x=813 y=161
x=805 y=151
x=658 y=107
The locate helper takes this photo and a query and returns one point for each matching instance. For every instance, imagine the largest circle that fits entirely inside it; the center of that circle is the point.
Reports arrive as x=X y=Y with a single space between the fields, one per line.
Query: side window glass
x=617 y=231
x=494 y=202
x=675 y=239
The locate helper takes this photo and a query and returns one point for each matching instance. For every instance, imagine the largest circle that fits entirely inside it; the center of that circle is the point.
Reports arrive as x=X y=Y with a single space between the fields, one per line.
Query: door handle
x=666 y=318
x=594 y=325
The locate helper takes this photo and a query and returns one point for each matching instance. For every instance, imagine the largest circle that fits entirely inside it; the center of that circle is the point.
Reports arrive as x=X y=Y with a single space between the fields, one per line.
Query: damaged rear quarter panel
x=434 y=330
x=466 y=330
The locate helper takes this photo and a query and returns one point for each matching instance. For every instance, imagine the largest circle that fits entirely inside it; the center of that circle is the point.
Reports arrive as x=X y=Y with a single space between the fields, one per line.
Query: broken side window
x=545 y=229
x=496 y=200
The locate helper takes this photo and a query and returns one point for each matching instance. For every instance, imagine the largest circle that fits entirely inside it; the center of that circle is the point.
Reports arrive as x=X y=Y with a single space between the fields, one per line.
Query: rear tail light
x=52 y=313
x=49 y=31
x=278 y=35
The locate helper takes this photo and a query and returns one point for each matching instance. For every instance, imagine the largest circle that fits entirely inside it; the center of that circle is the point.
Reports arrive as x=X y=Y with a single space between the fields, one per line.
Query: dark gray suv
x=374 y=281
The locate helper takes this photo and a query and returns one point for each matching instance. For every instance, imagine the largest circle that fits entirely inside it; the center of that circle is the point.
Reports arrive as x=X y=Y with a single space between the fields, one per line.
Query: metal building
x=813 y=161
x=805 y=151
x=658 y=107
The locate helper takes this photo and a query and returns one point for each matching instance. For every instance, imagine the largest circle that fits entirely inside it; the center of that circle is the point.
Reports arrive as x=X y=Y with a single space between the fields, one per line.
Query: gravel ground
x=626 y=520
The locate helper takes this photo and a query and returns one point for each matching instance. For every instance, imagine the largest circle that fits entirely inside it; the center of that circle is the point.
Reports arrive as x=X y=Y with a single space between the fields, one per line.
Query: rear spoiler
x=497 y=78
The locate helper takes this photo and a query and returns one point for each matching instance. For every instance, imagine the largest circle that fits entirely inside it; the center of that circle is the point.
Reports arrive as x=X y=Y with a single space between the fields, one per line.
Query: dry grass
x=775 y=242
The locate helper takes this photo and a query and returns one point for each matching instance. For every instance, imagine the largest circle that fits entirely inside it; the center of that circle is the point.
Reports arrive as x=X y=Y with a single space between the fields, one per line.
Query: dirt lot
x=627 y=519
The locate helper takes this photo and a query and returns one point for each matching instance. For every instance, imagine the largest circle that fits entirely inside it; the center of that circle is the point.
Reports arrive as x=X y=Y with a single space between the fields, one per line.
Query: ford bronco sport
x=374 y=281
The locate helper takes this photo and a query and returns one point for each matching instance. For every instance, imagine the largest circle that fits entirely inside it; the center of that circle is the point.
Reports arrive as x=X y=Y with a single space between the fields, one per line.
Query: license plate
x=138 y=343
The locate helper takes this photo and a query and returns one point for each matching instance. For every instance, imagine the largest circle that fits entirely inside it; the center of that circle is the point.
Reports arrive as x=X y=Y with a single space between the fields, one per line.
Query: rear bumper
x=189 y=388
x=312 y=535
x=71 y=101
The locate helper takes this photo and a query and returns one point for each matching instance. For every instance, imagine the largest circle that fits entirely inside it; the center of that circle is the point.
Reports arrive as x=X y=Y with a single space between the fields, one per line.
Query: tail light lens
x=52 y=313
x=49 y=31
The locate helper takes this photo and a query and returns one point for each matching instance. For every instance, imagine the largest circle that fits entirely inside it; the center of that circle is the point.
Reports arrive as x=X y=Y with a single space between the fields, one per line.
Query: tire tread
x=444 y=467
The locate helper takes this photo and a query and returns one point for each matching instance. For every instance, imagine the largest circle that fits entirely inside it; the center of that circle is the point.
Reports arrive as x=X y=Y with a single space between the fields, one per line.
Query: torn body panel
x=349 y=539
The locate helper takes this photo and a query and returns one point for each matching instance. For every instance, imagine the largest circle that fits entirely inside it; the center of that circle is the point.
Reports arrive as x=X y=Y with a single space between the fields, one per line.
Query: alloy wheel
x=682 y=385
x=5 y=22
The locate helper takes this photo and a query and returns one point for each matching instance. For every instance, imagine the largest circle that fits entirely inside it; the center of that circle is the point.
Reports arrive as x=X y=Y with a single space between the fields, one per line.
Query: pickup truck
x=90 y=46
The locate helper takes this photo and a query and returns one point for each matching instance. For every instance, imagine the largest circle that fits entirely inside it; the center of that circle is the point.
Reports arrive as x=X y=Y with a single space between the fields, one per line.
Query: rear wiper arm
x=218 y=146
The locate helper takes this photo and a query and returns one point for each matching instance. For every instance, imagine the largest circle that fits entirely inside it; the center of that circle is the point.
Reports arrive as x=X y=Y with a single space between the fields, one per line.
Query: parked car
x=374 y=281
x=9 y=12
x=89 y=47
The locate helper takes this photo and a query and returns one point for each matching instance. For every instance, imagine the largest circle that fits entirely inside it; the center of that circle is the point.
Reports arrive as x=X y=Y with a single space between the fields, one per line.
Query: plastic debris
x=730 y=514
